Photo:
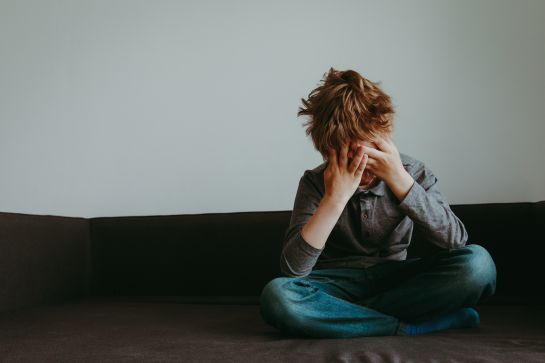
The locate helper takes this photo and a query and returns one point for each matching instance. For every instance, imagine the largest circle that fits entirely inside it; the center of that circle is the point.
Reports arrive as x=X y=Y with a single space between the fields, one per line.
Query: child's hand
x=341 y=177
x=385 y=161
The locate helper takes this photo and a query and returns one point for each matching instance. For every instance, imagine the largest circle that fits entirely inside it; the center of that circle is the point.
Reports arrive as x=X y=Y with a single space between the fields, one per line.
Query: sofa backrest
x=236 y=254
x=513 y=234
x=46 y=259
x=213 y=254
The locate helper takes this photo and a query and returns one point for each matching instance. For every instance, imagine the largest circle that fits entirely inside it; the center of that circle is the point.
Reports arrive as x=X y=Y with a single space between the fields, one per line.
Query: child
x=344 y=265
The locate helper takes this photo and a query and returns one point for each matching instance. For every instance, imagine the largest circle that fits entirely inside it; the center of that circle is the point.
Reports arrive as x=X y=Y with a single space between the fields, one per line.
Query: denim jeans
x=353 y=302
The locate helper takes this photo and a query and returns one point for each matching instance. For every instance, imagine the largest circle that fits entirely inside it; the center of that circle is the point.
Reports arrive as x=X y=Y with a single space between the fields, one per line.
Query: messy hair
x=346 y=106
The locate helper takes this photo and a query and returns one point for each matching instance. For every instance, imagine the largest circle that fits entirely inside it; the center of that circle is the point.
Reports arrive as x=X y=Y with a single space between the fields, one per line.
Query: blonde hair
x=346 y=106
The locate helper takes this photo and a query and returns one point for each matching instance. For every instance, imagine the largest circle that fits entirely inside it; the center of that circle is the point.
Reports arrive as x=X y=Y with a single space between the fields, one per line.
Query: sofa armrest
x=43 y=259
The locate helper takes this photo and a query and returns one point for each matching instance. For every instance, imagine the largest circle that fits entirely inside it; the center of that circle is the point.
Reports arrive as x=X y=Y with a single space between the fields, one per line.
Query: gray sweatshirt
x=374 y=225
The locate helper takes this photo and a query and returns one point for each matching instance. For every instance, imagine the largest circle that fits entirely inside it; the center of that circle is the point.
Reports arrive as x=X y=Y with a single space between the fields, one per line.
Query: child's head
x=346 y=107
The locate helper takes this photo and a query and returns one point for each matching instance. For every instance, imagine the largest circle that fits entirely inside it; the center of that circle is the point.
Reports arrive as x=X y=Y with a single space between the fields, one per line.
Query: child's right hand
x=342 y=177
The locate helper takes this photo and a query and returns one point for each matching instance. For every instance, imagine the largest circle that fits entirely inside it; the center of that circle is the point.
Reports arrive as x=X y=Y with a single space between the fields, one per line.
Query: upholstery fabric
x=130 y=331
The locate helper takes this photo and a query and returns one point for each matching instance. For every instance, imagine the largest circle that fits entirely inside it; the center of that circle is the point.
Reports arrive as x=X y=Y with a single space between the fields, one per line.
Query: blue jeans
x=353 y=302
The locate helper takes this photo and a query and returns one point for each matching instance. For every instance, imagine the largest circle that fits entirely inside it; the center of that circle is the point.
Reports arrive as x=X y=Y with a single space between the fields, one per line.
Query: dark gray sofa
x=186 y=288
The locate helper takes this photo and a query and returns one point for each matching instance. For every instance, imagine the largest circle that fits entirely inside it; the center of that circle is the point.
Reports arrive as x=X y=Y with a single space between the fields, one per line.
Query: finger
x=356 y=160
x=390 y=139
x=362 y=166
x=332 y=157
x=371 y=165
x=352 y=151
x=374 y=153
x=383 y=144
x=343 y=157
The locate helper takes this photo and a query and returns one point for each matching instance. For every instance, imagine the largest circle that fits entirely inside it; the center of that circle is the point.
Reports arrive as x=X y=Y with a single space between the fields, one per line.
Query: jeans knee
x=271 y=300
x=279 y=304
x=479 y=270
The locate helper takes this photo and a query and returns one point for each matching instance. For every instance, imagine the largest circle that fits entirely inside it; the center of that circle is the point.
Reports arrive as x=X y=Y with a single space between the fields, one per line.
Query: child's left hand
x=385 y=162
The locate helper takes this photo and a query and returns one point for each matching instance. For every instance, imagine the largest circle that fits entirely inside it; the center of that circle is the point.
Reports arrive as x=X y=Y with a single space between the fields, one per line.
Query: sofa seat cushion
x=114 y=330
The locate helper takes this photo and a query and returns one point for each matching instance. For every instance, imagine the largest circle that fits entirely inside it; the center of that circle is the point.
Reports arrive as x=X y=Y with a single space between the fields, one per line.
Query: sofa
x=186 y=288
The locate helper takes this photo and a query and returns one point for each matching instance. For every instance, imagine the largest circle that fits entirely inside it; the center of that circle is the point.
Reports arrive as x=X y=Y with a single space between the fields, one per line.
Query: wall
x=168 y=107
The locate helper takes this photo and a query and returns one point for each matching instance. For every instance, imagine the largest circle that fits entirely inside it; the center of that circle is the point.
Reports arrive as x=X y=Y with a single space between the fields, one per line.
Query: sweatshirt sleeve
x=431 y=213
x=298 y=257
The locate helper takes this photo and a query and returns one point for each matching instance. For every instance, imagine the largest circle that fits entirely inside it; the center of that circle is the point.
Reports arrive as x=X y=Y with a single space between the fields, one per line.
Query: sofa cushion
x=102 y=330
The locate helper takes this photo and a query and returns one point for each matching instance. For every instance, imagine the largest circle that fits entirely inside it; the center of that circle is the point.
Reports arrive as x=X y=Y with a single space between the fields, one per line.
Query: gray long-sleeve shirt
x=374 y=225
